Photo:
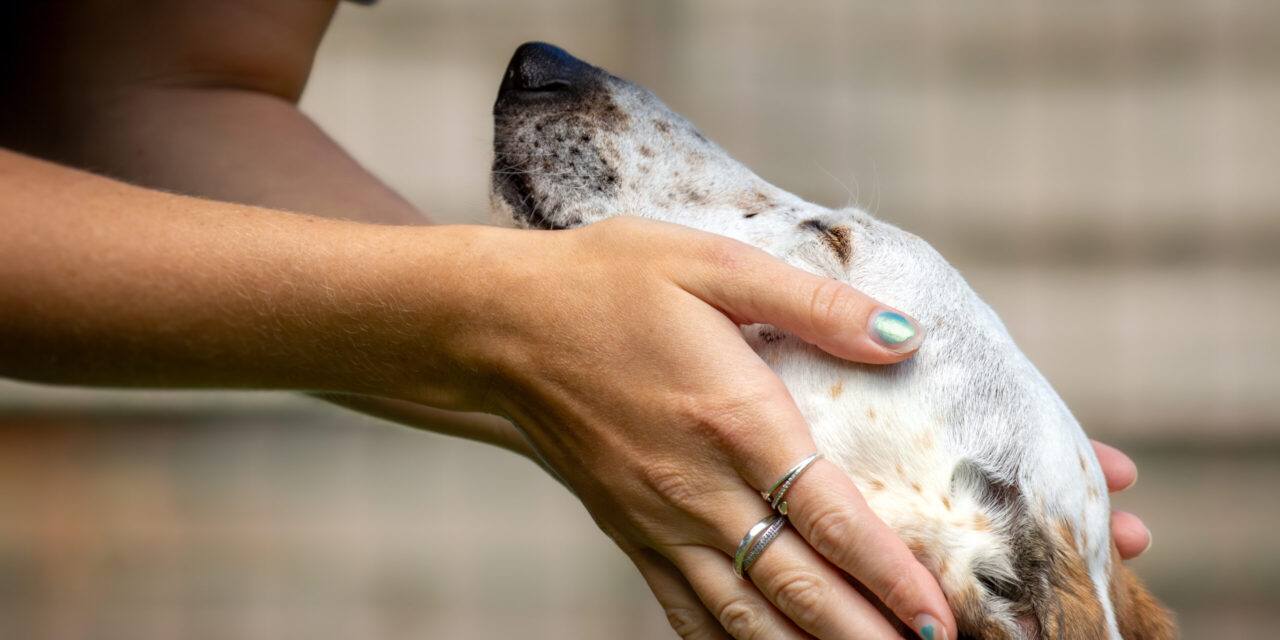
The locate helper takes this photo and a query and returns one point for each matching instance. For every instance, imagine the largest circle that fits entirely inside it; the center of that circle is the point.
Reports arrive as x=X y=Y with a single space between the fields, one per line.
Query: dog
x=964 y=449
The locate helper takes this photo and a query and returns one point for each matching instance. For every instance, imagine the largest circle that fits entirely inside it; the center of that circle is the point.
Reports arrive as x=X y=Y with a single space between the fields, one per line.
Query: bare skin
x=112 y=284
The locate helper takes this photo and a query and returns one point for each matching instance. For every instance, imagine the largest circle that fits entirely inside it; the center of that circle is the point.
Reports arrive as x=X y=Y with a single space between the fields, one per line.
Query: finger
x=826 y=508
x=1119 y=469
x=688 y=617
x=750 y=286
x=738 y=606
x=1132 y=538
x=813 y=594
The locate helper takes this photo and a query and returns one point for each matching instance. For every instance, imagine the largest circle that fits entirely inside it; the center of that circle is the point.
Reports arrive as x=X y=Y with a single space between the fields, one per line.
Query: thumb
x=751 y=286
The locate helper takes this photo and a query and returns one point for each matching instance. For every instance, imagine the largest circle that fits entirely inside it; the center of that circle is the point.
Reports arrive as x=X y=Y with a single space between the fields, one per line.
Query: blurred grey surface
x=1104 y=174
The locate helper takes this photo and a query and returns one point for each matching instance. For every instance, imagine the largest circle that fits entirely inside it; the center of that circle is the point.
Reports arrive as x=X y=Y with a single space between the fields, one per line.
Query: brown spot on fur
x=1081 y=457
x=753 y=202
x=919 y=549
x=946 y=502
x=692 y=196
x=770 y=335
x=1093 y=493
x=751 y=214
x=1138 y=614
x=837 y=389
x=662 y=125
x=926 y=440
x=875 y=485
x=901 y=471
x=981 y=523
x=839 y=239
x=871 y=413
x=646 y=151
x=916 y=486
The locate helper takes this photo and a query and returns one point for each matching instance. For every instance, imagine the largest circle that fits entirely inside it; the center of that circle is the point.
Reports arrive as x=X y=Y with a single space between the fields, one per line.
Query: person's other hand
x=1130 y=535
x=617 y=351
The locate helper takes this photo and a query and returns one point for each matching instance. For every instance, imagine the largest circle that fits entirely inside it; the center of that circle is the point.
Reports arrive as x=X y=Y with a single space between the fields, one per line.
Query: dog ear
x=1138 y=614
x=1070 y=608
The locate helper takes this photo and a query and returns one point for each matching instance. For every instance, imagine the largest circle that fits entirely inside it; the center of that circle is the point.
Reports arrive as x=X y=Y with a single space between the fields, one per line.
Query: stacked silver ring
x=764 y=532
x=779 y=489
x=754 y=543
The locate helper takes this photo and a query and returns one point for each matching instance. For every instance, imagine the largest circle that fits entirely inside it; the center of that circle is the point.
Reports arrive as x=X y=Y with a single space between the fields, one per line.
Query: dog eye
x=999 y=587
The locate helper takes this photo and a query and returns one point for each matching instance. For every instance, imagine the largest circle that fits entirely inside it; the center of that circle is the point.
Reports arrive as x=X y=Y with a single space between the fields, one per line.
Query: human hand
x=616 y=348
x=1131 y=537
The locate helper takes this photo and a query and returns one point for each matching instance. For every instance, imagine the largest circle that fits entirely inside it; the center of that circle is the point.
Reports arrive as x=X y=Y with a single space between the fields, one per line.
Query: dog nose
x=541 y=68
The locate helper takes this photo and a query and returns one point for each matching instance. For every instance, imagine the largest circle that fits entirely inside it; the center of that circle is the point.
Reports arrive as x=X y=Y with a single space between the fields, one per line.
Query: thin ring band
x=774 y=495
x=755 y=542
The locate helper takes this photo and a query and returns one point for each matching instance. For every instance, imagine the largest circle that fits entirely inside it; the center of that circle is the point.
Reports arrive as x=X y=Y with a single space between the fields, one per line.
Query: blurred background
x=1105 y=174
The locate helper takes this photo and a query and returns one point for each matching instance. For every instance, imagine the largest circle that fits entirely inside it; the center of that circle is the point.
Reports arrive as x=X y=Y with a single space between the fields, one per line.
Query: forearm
x=206 y=116
x=109 y=284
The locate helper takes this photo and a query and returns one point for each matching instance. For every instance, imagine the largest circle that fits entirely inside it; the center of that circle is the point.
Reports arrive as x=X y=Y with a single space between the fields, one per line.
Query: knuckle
x=831 y=533
x=830 y=307
x=728 y=257
x=800 y=594
x=724 y=417
x=742 y=619
x=898 y=586
x=687 y=623
x=676 y=484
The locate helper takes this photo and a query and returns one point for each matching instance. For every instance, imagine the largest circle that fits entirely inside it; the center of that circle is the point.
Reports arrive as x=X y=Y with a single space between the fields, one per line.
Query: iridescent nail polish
x=929 y=628
x=894 y=331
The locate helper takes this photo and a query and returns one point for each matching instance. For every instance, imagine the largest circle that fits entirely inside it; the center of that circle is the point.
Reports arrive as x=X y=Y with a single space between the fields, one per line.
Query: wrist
x=427 y=314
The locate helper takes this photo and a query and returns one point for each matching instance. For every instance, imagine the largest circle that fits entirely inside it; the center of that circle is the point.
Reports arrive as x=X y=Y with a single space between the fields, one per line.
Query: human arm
x=168 y=96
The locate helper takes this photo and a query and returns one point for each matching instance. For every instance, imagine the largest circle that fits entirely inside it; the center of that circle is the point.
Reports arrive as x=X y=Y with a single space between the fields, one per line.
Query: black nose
x=541 y=70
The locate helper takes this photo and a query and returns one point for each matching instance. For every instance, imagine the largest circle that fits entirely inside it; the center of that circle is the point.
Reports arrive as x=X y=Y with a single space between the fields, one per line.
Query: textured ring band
x=755 y=542
x=774 y=495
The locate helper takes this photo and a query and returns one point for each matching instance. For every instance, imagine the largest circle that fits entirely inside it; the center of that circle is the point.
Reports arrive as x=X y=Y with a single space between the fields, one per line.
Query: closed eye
x=1000 y=587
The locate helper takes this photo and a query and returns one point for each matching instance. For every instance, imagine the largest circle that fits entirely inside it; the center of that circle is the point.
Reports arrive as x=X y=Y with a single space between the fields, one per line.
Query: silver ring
x=774 y=495
x=755 y=542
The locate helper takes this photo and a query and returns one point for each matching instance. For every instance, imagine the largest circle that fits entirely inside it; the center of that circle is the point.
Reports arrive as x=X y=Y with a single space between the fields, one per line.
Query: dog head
x=964 y=449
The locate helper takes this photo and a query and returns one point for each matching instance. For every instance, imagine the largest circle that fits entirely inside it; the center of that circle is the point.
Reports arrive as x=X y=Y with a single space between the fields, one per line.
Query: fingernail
x=929 y=627
x=895 y=331
x=1149 y=541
